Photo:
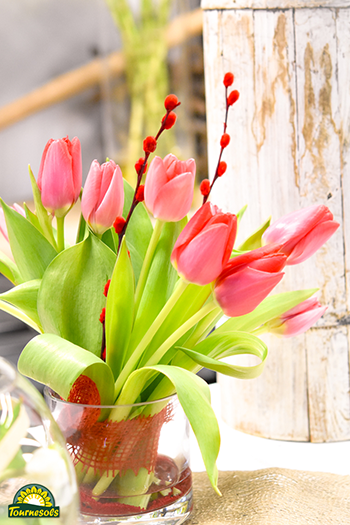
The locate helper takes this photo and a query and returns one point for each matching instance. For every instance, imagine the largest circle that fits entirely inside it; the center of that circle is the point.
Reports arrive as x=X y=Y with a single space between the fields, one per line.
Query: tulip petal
x=241 y=292
x=156 y=178
x=77 y=167
x=174 y=199
x=312 y=242
x=112 y=203
x=91 y=191
x=302 y=322
x=194 y=227
x=201 y=260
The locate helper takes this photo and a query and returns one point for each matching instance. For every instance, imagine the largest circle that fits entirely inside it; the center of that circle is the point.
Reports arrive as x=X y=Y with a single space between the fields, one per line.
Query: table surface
x=240 y=451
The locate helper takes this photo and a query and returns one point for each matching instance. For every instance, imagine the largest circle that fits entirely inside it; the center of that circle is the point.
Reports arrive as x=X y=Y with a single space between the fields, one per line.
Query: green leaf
x=194 y=396
x=15 y=312
x=159 y=285
x=24 y=297
x=119 y=310
x=240 y=214
x=57 y=363
x=254 y=241
x=44 y=218
x=9 y=269
x=71 y=299
x=225 y=345
x=31 y=251
x=271 y=307
x=138 y=232
x=32 y=218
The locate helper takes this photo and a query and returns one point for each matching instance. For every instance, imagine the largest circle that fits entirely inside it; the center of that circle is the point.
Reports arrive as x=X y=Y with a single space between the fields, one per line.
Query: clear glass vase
x=37 y=480
x=132 y=462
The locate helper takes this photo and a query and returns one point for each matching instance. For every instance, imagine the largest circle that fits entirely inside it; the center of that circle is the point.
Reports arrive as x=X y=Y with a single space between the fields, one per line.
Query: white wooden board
x=290 y=147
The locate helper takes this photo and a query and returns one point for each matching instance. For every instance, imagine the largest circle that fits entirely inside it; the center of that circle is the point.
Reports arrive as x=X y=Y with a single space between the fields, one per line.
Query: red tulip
x=298 y=319
x=103 y=196
x=302 y=233
x=205 y=244
x=60 y=175
x=169 y=188
x=247 y=279
x=3 y=227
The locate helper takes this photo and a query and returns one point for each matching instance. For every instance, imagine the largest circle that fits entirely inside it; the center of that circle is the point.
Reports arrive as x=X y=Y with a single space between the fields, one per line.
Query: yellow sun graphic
x=35 y=496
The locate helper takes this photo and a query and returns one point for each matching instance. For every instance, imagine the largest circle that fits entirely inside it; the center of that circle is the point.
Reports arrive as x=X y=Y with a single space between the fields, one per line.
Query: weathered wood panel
x=271 y=4
x=290 y=136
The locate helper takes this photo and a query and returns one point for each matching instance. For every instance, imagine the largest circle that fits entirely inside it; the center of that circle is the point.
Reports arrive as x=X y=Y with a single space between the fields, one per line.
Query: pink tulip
x=103 y=196
x=205 y=244
x=302 y=232
x=298 y=319
x=169 y=188
x=3 y=227
x=60 y=175
x=247 y=279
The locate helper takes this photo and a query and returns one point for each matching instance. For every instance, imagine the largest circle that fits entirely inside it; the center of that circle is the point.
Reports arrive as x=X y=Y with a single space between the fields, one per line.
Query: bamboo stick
x=69 y=84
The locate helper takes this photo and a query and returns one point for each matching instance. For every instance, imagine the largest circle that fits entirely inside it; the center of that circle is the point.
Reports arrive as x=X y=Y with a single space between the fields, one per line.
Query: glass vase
x=132 y=462
x=37 y=480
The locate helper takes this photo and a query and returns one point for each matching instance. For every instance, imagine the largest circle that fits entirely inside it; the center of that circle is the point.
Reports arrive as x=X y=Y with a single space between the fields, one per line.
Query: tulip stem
x=147 y=262
x=175 y=336
x=134 y=359
x=60 y=233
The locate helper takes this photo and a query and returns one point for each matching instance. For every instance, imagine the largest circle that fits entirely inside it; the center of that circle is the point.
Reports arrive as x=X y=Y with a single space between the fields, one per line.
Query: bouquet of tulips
x=132 y=305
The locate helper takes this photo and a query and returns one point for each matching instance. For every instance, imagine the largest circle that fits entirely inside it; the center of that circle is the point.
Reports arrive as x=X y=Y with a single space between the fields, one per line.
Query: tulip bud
x=60 y=175
x=205 y=244
x=103 y=196
x=247 y=279
x=169 y=188
x=297 y=320
x=302 y=233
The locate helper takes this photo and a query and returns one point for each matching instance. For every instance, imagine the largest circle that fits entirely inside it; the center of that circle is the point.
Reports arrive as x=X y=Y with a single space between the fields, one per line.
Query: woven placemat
x=272 y=496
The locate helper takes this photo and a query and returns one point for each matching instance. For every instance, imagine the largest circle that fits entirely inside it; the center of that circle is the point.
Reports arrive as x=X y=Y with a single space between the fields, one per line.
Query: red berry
x=149 y=144
x=105 y=291
x=119 y=224
x=205 y=187
x=233 y=97
x=171 y=102
x=228 y=79
x=140 y=193
x=103 y=315
x=169 y=120
x=103 y=355
x=222 y=168
x=225 y=140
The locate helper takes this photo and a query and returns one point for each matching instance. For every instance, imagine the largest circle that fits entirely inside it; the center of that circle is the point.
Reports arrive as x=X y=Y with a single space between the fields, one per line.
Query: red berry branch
x=149 y=146
x=206 y=187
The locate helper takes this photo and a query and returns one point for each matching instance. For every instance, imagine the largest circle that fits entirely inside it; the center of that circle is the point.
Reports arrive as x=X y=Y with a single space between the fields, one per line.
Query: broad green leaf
x=194 y=396
x=15 y=312
x=71 y=299
x=254 y=241
x=9 y=269
x=24 y=297
x=108 y=239
x=57 y=363
x=119 y=311
x=31 y=251
x=138 y=232
x=159 y=285
x=44 y=218
x=271 y=307
x=225 y=345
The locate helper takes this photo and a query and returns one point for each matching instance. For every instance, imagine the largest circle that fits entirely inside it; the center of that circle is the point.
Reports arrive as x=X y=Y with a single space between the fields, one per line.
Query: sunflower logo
x=33 y=501
x=35 y=496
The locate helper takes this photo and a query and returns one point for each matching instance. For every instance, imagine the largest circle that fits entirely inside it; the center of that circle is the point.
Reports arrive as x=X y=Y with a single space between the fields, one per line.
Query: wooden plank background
x=290 y=136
